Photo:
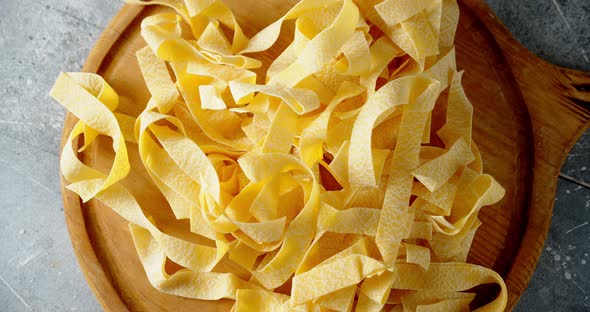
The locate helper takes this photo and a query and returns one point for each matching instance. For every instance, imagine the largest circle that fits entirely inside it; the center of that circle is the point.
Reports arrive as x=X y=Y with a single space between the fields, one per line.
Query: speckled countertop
x=39 y=38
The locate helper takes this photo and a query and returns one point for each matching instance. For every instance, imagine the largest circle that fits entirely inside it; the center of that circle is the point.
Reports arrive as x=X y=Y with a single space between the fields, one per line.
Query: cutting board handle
x=576 y=87
x=558 y=103
x=557 y=98
x=549 y=91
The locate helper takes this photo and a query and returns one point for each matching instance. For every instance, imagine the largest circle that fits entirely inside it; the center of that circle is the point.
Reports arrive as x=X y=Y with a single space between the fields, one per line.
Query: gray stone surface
x=38 y=39
x=38 y=270
x=577 y=165
x=561 y=280
x=556 y=30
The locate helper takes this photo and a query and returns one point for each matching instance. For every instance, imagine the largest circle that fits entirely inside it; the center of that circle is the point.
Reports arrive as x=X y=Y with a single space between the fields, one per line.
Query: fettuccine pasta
x=325 y=182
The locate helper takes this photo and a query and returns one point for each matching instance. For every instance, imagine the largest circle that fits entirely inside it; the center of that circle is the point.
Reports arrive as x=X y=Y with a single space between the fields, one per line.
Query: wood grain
x=528 y=114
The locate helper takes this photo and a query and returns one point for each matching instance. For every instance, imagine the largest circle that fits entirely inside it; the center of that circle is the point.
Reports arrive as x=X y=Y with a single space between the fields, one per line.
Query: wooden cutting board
x=528 y=114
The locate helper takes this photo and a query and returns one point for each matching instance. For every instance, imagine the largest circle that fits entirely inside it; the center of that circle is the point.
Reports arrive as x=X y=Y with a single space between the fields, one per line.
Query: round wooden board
x=528 y=114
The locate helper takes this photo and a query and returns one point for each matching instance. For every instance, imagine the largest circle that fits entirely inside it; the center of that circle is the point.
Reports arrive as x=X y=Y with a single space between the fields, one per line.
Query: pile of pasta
x=342 y=177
